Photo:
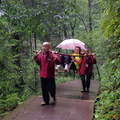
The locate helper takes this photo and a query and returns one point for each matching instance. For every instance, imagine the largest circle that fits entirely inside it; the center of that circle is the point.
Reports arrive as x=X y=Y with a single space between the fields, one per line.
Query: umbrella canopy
x=70 y=44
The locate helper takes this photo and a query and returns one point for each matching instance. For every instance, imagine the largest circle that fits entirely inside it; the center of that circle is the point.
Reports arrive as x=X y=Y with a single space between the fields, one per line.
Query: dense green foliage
x=25 y=24
x=108 y=101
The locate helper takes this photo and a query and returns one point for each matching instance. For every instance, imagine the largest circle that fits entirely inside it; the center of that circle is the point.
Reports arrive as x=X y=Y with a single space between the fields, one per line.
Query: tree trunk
x=65 y=31
x=31 y=49
x=16 y=50
x=90 y=15
x=35 y=70
x=35 y=41
x=73 y=25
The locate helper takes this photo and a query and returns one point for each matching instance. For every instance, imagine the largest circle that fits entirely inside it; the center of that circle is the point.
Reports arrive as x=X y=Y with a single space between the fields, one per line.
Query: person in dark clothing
x=47 y=60
x=85 y=69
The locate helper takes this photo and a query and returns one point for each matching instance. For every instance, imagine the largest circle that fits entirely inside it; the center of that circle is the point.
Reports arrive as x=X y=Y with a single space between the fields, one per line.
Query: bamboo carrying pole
x=63 y=54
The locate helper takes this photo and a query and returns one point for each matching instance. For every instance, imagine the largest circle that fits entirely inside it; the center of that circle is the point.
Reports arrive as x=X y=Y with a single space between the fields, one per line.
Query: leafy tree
x=107 y=106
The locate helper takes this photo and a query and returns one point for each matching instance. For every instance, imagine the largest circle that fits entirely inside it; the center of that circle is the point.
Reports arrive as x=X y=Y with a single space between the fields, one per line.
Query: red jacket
x=87 y=69
x=47 y=65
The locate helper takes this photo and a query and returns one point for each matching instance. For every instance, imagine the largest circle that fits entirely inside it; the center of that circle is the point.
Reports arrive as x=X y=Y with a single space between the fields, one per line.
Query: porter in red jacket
x=47 y=65
x=86 y=68
x=47 y=60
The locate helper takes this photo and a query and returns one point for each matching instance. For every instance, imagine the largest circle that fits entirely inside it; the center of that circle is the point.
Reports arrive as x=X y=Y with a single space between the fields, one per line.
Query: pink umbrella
x=70 y=44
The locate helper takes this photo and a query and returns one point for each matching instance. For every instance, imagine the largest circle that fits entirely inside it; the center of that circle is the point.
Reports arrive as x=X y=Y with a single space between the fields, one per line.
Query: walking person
x=47 y=60
x=86 y=68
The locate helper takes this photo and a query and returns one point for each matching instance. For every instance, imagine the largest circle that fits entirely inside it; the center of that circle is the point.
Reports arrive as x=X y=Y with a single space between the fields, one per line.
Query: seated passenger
x=69 y=62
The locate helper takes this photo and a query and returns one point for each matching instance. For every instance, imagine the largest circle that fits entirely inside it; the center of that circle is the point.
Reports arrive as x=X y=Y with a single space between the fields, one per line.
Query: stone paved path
x=71 y=104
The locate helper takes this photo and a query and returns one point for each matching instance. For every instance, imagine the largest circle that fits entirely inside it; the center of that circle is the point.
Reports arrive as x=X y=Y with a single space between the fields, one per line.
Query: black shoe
x=87 y=90
x=83 y=91
x=54 y=99
x=44 y=103
x=53 y=103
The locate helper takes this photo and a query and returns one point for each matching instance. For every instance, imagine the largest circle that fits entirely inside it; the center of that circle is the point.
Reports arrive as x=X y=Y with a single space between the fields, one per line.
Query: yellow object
x=77 y=60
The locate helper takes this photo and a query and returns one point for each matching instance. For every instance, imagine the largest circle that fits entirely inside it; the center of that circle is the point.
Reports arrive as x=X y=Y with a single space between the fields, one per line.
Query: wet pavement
x=72 y=104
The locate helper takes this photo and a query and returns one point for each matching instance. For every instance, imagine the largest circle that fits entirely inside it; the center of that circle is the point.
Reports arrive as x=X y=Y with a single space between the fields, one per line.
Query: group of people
x=46 y=59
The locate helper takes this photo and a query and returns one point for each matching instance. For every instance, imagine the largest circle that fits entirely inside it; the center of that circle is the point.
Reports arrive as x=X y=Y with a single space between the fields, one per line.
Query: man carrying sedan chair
x=86 y=68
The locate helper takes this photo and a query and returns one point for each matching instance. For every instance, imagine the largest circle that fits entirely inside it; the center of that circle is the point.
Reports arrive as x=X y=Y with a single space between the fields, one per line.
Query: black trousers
x=48 y=87
x=85 y=81
x=65 y=60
